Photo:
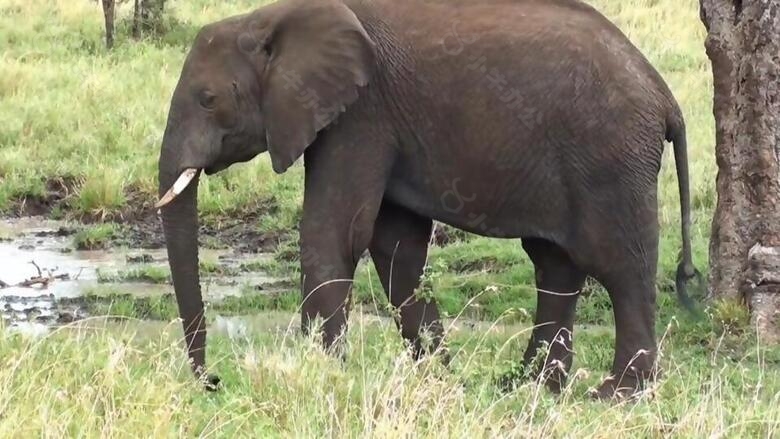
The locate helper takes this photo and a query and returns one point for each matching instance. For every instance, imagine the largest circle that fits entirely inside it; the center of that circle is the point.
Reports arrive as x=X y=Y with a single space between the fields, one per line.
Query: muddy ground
x=130 y=266
x=140 y=223
x=141 y=228
x=45 y=280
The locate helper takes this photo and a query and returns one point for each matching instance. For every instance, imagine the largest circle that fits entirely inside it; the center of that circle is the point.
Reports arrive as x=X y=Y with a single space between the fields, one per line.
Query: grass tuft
x=95 y=237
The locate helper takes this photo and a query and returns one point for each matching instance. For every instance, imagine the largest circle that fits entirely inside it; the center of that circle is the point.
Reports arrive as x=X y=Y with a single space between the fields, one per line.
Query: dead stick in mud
x=38 y=280
x=43 y=281
x=37 y=268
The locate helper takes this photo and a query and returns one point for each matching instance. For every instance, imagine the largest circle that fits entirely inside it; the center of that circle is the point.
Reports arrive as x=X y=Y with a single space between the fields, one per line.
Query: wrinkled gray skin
x=532 y=119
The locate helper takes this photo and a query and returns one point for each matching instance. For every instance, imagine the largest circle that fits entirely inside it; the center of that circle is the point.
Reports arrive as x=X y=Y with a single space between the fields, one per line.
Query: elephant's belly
x=480 y=212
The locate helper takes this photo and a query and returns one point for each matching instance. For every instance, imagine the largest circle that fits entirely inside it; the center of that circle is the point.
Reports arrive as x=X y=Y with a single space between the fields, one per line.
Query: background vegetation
x=80 y=129
x=84 y=124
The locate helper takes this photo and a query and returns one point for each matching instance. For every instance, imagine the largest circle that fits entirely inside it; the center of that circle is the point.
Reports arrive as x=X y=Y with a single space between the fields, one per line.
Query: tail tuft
x=686 y=272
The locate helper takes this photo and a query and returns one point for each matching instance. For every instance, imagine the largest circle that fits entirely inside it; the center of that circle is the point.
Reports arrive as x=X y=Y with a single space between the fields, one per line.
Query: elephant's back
x=543 y=46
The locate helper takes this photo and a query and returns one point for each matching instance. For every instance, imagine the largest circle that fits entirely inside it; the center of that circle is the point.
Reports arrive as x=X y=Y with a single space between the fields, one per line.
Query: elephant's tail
x=685 y=270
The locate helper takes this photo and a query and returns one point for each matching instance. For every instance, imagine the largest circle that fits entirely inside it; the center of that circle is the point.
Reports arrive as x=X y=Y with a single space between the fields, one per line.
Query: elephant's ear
x=320 y=55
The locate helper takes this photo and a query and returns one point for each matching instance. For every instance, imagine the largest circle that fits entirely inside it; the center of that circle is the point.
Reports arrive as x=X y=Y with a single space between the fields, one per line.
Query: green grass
x=74 y=112
x=106 y=300
x=107 y=303
x=71 y=108
x=146 y=273
x=95 y=237
x=121 y=379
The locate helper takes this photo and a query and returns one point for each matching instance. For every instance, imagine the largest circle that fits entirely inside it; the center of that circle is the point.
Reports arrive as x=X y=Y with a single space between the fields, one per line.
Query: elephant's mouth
x=178 y=187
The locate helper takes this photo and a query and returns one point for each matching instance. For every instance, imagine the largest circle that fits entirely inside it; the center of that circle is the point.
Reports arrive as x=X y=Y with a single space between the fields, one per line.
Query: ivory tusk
x=178 y=187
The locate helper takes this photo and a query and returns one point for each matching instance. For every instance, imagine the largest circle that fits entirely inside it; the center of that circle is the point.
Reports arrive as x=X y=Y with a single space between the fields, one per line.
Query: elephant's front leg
x=332 y=241
x=342 y=195
x=399 y=249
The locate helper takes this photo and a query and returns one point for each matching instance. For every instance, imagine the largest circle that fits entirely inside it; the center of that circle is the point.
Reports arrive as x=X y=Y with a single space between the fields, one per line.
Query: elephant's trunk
x=180 y=225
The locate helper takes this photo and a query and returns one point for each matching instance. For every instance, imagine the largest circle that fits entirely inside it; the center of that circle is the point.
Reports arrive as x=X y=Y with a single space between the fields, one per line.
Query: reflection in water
x=30 y=329
x=49 y=244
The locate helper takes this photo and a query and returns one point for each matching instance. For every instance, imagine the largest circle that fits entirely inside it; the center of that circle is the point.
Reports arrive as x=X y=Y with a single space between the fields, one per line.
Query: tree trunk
x=151 y=15
x=108 y=13
x=136 y=29
x=743 y=44
x=147 y=17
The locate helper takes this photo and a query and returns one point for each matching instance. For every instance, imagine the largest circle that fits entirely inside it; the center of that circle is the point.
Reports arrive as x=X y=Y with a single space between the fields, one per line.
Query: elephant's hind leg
x=399 y=248
x=633 y=302
x=630 y=281
x=558 y=283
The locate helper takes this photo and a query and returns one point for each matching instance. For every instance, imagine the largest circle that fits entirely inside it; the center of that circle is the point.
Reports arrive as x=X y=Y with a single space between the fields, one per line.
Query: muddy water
x=50 y=245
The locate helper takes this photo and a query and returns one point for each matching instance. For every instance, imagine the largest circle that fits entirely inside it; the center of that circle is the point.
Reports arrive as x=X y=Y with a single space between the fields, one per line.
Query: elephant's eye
x=208 y=100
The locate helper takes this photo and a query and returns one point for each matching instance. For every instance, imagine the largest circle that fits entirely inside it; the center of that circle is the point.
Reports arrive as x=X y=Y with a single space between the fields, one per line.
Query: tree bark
x=108 y=13
x=147 y=17
x=151 y=15
x=136 y=29
x=743 y=44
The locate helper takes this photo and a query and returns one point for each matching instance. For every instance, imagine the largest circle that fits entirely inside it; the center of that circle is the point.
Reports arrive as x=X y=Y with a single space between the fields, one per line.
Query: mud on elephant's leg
x=558 y=283
x=399 y=248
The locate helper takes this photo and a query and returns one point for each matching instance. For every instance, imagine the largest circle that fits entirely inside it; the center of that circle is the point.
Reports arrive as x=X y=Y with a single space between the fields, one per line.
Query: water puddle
x=28 y=245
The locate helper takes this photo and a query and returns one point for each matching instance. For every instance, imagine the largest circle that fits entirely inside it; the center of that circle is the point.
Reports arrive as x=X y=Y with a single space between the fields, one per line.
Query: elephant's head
x=268 y=80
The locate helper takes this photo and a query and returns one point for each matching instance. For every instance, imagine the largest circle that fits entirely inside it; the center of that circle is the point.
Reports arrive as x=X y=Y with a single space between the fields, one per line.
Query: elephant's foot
x=629 y=381
x=513 y=379
x=549 y=363
x=211 y=383
x=440 y=353
x=624 y=388
x=553 y=376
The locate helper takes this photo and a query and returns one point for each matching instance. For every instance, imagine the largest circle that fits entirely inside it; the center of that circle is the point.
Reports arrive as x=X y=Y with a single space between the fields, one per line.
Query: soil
x=140 y=224
x=444 y=235
x=57 y=192
x=489 y=264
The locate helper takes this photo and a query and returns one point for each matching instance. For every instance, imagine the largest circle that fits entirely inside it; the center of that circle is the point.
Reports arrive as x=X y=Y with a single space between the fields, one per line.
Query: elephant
x=535 y=120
